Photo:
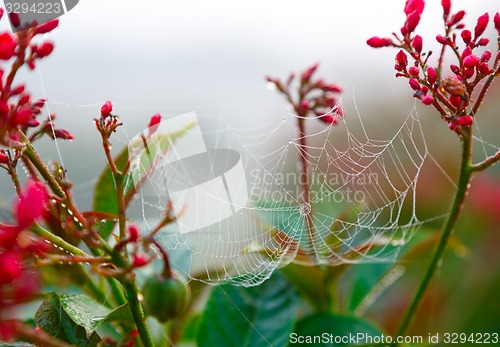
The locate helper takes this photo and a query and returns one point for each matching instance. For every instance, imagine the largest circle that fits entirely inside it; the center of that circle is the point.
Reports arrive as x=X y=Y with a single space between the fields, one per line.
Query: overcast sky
x=211 y=57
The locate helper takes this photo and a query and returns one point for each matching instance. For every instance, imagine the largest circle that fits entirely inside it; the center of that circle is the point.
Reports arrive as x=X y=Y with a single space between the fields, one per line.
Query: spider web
x=362 y=205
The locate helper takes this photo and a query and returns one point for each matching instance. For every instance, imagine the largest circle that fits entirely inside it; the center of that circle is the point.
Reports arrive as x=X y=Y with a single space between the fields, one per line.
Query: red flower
x=106 y=109
x=47 y=27
x=378 y=42
x=44 y=49
x=414 y=84
x=7 y=46
x=31 y=204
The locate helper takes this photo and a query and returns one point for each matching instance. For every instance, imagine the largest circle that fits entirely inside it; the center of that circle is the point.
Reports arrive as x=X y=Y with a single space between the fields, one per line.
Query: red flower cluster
x=17 y=245
x=452 y=95
x=18 y=112
x=314 y=96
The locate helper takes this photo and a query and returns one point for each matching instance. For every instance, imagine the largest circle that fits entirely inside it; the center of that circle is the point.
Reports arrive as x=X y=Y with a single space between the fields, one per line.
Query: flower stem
x=306 y=190
x=58 y=241
x=456 y=208
x=132 y=295
x=34 y=158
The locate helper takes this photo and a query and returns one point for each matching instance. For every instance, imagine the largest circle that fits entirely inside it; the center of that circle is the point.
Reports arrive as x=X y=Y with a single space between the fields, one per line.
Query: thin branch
x=492 y=160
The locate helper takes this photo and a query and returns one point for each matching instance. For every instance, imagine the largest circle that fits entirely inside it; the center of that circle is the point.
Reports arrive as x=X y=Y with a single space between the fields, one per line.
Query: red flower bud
x=63 y=134
x=23 y=99
x=484 y=68
x=441 y=39
x=414 y=6
x=452 y=126
x=412 y=21
x=457 y=17
x=446 y=8
x=378 y=42
x=401 y=59
x=466 y=36
x=14 y=19
x=468 y=73
x=455 y=69
x=431 y=75
x=466 y=52
x=465 y=121
x=106 y=109
x=481 y=24
x=486 y=56
x=4 y=158
x=414 y=71
x=47 y=27
x=483 y=41
x=139 y=260
x=17 y=90
x=414 y=84
x=331 y=88
x=496 y=20
x=40 y=103
x=307 y=74
x=7 y=46
x=471 y=61
x=133 y=233
x=328 y=119
x=427 y=100
x=44 y=49
x=417 y=43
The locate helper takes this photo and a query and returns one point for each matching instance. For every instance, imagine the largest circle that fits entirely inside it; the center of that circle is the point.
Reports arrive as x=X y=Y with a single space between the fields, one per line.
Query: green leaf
x=52 y=318
x=365 y=277
x=253 y=317
x=310 y=282
x=325 y=329
x=105 y=191
x=74 y=318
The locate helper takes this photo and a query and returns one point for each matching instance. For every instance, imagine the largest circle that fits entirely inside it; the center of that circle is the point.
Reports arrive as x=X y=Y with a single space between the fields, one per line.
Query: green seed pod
x=165 y=298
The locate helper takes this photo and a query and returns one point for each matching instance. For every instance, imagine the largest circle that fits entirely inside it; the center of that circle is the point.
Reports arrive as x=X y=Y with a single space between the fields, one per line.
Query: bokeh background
x=211 y=57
